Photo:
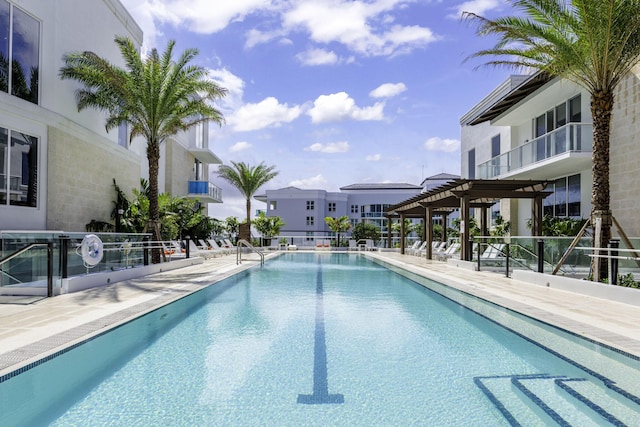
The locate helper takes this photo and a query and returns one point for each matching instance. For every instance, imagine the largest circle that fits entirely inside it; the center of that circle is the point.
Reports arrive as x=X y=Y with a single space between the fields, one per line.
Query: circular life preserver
x=91 y=250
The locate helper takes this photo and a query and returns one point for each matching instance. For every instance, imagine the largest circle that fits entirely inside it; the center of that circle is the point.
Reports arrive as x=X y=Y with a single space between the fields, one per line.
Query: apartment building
x=532 y=127
x=57 y=165
x=303 y=211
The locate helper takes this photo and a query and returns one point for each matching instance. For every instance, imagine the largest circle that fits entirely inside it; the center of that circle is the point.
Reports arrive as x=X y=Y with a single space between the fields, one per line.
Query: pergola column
x=445 y=221
x=464 y=229
x=484 y=223
x=536 y=225
x=389 y=223
x=429 y=231
x=402 y=243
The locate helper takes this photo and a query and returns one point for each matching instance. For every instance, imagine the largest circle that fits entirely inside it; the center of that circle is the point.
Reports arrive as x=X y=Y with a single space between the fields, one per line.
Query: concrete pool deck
x=29 y=332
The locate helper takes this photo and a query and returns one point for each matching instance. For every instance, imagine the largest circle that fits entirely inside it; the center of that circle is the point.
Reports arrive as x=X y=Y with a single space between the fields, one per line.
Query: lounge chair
x=195 y=251
x=419 y=249
x=409 y=249
x=493 y=253
x=353 y=245
x=450 y=252
x=216 y=248
x=172 y=250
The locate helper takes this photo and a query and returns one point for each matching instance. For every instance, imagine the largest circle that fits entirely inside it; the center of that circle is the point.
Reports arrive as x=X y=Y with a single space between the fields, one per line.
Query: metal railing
x=49 y=246
x=243 y=243
x=572 y=137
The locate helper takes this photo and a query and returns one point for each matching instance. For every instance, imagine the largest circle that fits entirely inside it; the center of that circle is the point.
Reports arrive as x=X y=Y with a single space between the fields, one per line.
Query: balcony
x=562 y=151
x=205 y=191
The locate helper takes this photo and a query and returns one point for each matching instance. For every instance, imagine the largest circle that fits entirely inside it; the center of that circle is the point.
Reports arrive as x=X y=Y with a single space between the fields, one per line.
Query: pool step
x=541 y=399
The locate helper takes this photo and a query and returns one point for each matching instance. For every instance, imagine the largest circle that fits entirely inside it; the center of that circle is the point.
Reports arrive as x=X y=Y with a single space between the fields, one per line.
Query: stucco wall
x=625 y=154
x=178 y=170
x=80 y=178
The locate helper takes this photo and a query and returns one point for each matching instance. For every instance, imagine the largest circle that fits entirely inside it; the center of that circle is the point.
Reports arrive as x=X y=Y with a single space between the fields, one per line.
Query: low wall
x=595 y=289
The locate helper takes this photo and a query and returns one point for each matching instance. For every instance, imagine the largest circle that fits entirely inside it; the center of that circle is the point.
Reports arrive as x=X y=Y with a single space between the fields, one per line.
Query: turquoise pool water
x=327 y=340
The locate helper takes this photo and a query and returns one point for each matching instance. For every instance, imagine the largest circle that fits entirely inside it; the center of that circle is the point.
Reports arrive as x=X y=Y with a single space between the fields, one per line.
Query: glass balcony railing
x=572 y=137
x=205 y=189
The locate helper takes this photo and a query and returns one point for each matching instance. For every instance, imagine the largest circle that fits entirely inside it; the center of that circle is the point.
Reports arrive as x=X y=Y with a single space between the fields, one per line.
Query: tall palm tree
x=594 y=43
x=157 y=96
x=247 y=179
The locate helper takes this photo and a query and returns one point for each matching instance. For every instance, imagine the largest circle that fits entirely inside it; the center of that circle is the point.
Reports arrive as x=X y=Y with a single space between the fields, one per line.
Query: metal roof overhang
x=529 y=86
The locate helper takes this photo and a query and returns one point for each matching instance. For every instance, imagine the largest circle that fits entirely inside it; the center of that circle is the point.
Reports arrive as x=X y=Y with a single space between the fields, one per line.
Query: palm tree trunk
x=153 y=157
x=601 y=107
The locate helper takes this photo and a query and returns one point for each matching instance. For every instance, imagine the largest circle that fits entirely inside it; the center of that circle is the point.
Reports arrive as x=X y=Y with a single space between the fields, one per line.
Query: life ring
x=91 y=250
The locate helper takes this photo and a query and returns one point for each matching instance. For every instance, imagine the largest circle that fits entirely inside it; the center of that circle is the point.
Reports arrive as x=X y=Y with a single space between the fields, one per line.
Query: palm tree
x=247 y=179
x=594 y=43
x=157 y=96
x=338 y=225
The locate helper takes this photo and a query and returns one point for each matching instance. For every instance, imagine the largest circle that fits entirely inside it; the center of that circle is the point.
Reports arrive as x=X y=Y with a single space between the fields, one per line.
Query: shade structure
x=465 y=194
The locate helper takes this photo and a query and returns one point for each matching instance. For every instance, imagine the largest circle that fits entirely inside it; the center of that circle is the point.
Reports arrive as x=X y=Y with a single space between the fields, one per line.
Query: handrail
x=243 y=242
x=49 y=246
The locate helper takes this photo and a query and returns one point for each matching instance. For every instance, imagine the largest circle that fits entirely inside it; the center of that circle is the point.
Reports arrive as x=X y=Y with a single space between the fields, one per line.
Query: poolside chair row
x=205 y=248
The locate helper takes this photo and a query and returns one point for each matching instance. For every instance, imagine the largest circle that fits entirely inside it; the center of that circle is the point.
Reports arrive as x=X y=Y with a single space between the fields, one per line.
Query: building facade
x=532 y=127
x=304 y=211
x=57 y=165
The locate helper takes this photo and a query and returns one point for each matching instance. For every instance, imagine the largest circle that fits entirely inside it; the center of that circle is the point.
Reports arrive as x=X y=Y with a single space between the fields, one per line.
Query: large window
x=20 y=47
x=565 y=199
x=471 y=157
x=18 y=169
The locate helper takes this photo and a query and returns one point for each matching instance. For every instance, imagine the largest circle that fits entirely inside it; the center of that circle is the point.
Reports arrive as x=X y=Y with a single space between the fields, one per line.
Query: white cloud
x=479 y=7
x=330 y=147
x=361 y=27
x=439 y=144
x=373 y=158
x=234 y=86
x=314 y=182
x=266 y=113
x=340 y=106
x=388 y=90
x=239 y=146
x=317 y=57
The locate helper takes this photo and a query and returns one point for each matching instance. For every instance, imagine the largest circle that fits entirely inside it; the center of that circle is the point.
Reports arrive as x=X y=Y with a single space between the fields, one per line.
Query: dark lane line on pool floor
x=320 y=378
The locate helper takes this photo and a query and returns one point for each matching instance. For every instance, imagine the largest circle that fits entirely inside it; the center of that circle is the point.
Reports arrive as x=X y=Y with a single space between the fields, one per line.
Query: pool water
x=318 y=340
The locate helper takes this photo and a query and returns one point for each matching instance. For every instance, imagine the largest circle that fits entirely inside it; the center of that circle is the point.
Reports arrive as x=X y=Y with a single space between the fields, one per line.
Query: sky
x=332 y=92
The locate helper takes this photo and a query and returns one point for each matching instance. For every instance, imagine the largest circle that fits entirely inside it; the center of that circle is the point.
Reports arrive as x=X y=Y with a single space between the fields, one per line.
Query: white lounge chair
x=195 y=251
x=213 y=245
x=419 y=249
x=450 y=252
x=410 y=249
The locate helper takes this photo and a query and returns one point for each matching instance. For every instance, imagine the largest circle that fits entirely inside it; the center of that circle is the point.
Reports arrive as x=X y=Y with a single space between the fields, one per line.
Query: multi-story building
x=57 y=165
x=304 y=211
x=533 y=127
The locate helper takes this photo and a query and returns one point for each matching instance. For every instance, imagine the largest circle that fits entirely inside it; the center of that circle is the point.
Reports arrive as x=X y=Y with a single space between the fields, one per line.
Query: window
x=123 y=132
x=354 y=209
x=471 y=159
x=273 y=205
x=565 y=199
x=495 y=152
x=18 y=168
x=311 y=205
x=20 y=47
x=331 y=207
x=310 y=221
x=310 y=236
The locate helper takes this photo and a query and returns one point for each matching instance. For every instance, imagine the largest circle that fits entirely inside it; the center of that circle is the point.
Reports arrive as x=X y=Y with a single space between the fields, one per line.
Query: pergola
x=467 y=194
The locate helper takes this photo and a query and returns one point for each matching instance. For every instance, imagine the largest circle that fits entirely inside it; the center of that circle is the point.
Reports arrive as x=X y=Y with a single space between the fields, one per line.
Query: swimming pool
x=327 y=339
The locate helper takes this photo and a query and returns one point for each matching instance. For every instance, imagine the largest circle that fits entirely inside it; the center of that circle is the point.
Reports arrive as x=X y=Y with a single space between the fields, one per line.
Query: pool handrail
x=243 y=242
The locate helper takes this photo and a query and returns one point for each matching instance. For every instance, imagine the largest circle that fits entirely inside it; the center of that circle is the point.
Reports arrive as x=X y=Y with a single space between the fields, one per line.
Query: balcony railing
x=572 y=137
x=205 y=189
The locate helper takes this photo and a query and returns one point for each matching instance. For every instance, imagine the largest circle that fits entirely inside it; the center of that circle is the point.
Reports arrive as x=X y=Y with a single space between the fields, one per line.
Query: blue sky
x=332 y=92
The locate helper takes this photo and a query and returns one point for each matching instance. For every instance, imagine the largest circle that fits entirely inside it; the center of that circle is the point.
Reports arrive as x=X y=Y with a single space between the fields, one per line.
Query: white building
x=532 y=127
x=57 y=165
x=304 y=211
